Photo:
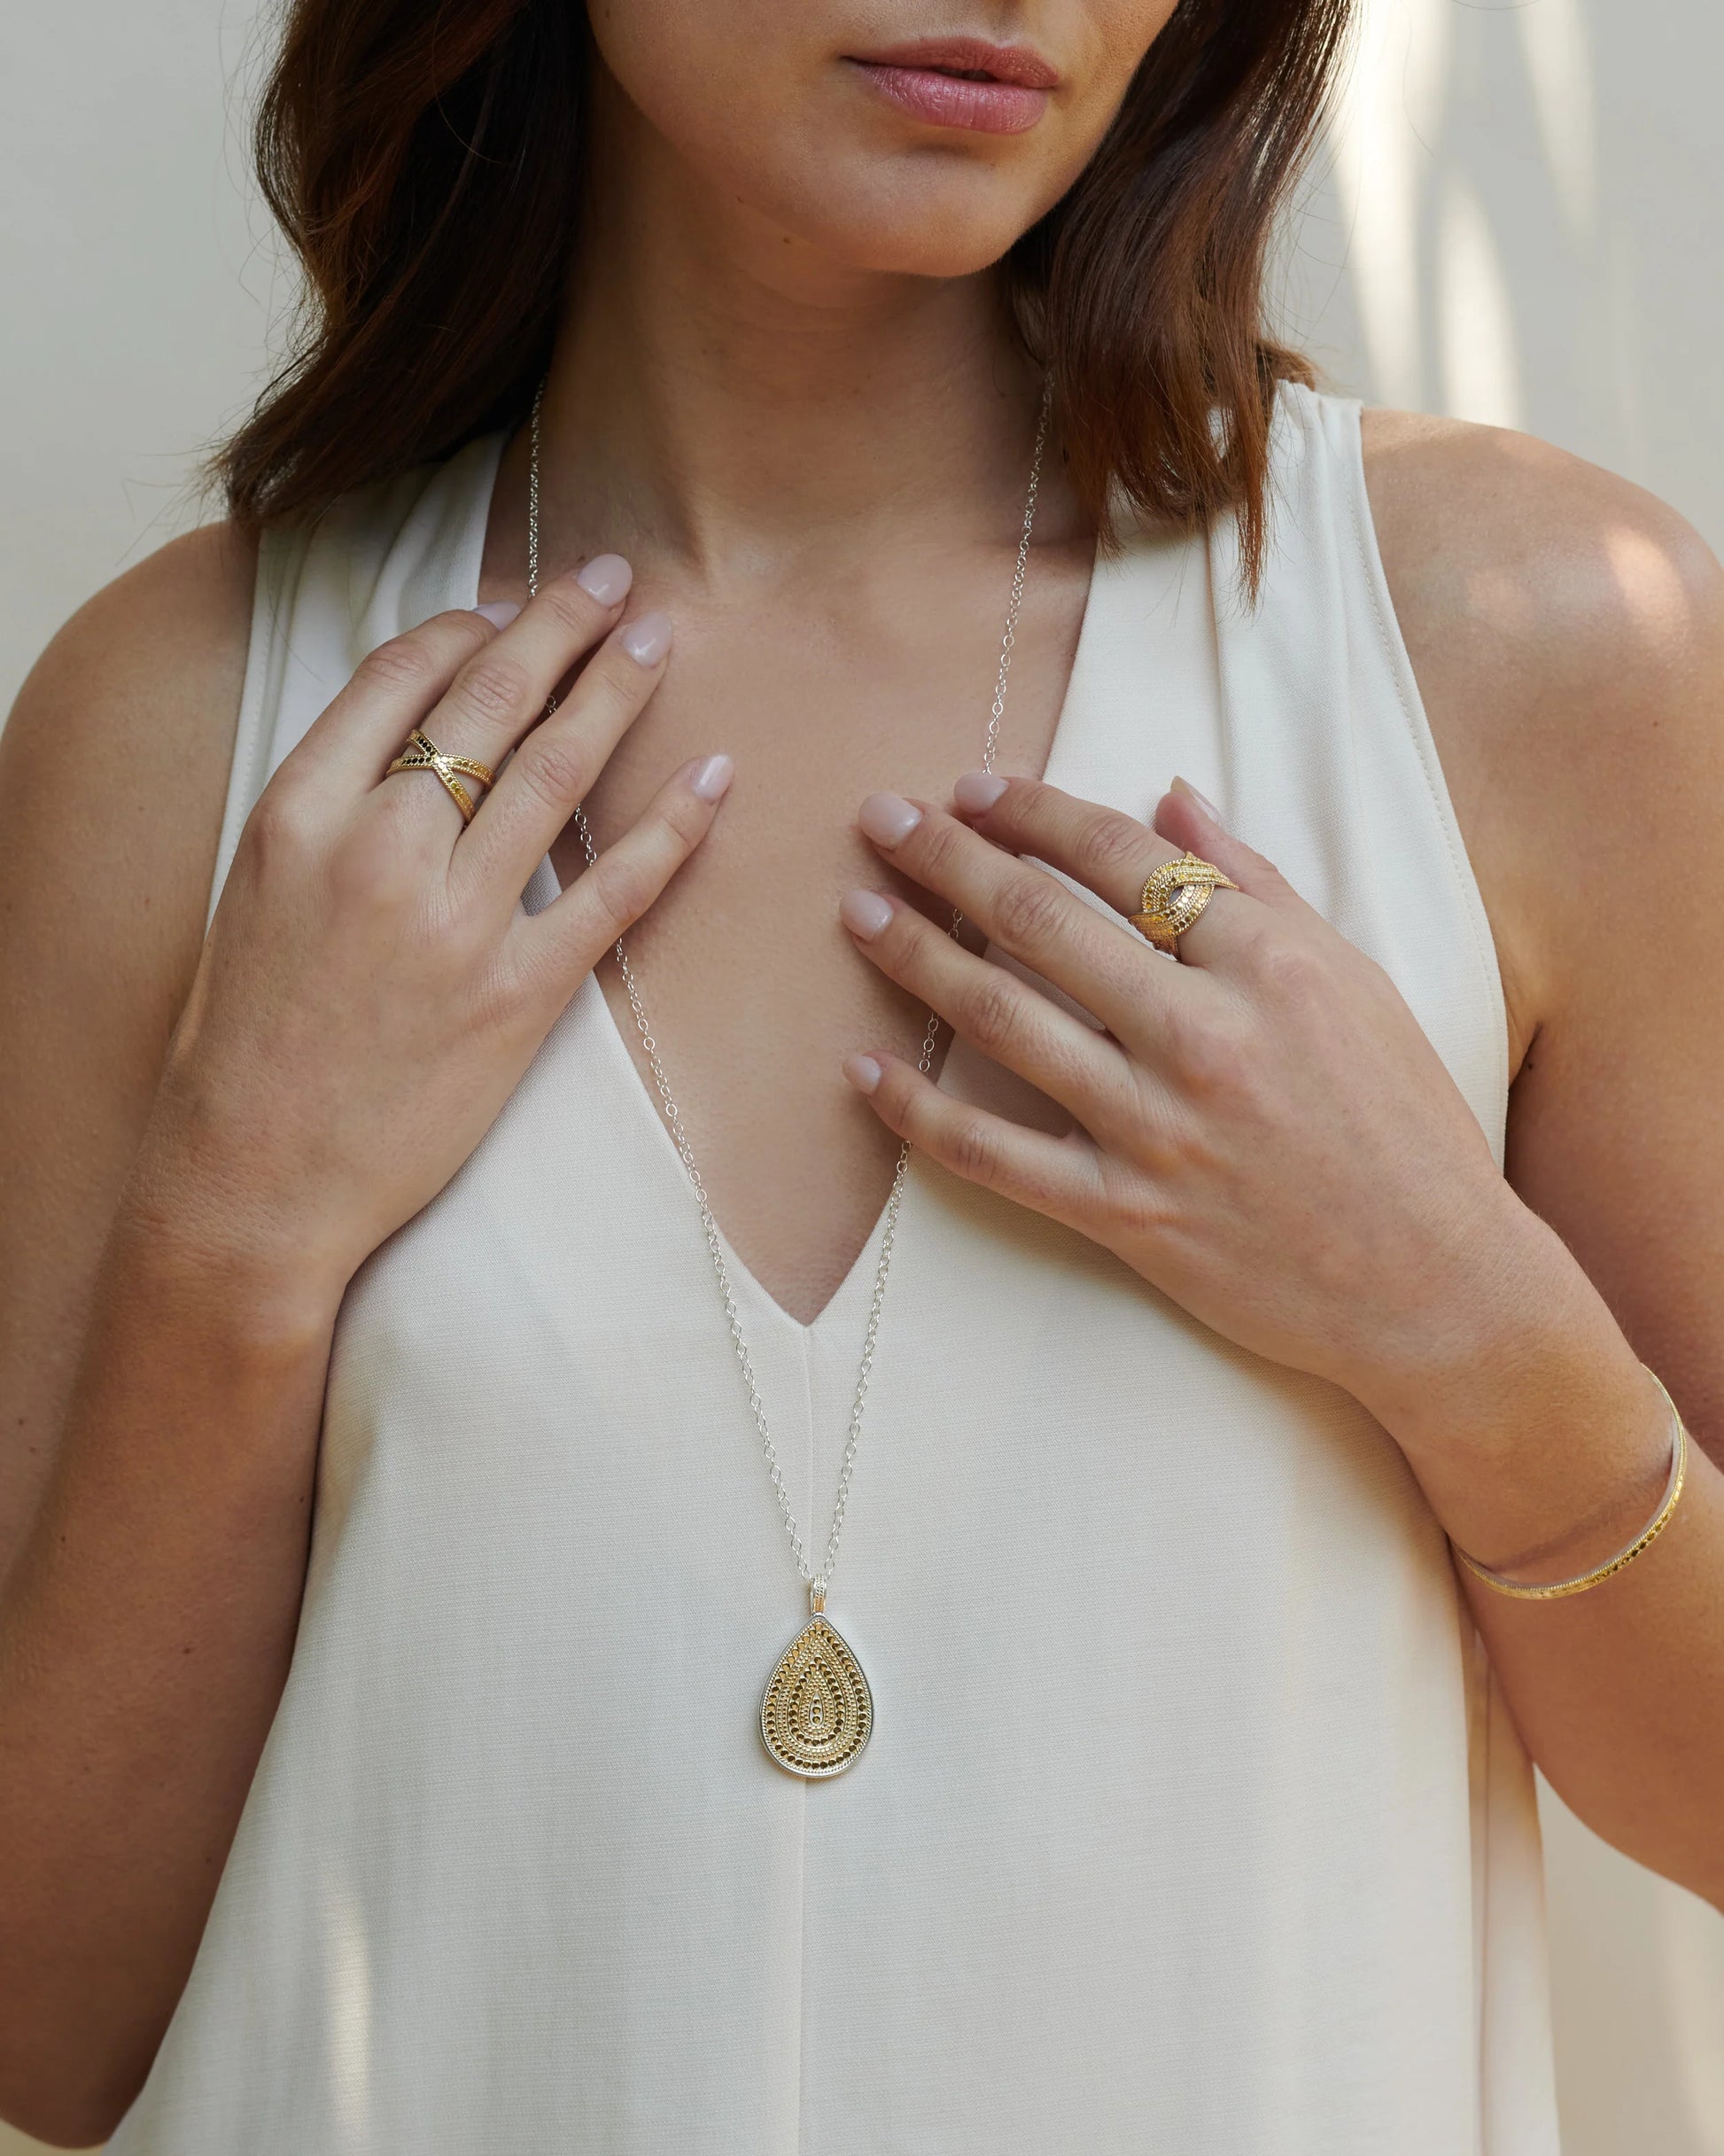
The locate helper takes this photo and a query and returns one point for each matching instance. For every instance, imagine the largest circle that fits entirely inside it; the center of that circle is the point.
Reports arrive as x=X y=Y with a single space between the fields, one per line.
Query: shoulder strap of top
x=1332 y=753
x=379 y=562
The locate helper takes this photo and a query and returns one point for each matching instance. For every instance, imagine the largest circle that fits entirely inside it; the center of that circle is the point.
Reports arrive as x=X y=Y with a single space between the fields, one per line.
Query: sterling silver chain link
x=816 y=1583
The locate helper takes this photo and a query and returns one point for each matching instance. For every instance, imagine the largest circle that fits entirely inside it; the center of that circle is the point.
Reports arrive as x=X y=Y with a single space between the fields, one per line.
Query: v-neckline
x=546 y=886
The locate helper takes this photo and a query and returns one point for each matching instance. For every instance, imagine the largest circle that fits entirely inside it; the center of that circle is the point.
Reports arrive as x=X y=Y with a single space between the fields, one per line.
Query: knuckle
x=990 y=1010
x=1112 y=841
x=1208 y=1043
x=508 y=999
x=1139 y=1208
x=1157 y=1146
x=554 y=768
x=1029 y=910
x=622 y=891
x=403 y=663
x=1024 y=802
x=1284 y=969
x=1072 y=1070
x=280 y=828
x=685 y=816
x=936 y=843
x=494 y=688
x=615 y=686
x=573 y=607
x=974 y=1150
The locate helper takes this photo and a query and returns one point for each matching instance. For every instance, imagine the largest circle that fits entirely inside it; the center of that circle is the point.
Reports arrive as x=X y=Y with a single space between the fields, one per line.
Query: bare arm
x=114 y=765
x=114 y=768
x=245 y=1152
x=1568 y=634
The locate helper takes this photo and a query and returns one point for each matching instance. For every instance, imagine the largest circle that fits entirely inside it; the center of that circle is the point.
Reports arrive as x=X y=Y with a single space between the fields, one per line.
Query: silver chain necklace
x=817 y=1712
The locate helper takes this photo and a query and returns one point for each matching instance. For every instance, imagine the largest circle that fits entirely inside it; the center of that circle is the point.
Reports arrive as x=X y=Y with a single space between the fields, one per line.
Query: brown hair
x=425 y=163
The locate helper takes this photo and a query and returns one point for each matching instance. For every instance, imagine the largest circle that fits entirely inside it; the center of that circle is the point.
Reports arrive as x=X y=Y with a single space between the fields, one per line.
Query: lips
x=963 y=82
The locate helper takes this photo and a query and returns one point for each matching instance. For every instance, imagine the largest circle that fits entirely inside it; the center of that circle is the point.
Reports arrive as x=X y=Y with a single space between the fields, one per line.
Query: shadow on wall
x=1518 y=222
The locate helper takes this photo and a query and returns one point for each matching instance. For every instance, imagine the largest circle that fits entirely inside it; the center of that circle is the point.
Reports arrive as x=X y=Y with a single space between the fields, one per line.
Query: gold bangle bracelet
x=1523 y=1591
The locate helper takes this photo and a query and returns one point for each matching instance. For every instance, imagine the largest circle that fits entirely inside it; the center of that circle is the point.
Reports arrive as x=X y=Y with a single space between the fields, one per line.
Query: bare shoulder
x=1566 y=630
x=154 y=664
x=1551 y=560
x=115 y=758
x=114 y=768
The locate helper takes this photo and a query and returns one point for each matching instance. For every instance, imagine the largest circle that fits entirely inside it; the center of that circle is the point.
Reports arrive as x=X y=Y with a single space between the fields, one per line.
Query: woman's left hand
x=1263 y=1131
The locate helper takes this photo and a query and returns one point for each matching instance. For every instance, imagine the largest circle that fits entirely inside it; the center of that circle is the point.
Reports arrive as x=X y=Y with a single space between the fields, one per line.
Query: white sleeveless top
x=1192 y=1821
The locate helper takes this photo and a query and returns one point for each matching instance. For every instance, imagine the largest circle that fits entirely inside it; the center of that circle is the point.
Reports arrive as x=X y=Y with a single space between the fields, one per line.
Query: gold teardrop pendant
x=816 y=1711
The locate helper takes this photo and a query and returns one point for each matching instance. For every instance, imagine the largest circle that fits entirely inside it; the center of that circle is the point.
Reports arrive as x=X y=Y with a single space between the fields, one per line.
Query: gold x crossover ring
x=423 y=754
x=1175 y=897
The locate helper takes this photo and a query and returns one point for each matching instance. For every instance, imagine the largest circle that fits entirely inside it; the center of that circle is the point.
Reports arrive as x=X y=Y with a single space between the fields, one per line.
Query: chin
x=926 y=216
x=921 y=209
x=892 y=146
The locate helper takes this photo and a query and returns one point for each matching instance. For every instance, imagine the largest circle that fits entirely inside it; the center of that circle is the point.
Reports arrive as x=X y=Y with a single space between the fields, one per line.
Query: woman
x=1155 y=1778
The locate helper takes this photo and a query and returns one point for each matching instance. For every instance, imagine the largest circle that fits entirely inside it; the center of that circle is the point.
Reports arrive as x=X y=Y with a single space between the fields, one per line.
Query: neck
x=722 y=391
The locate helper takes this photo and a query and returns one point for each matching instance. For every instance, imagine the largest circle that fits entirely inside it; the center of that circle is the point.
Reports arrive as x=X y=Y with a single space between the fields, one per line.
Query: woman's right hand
x=371 y=990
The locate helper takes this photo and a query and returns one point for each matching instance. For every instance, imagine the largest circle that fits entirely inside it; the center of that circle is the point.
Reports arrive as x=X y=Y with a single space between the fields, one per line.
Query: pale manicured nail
x=864 y=914
x=498 y=613
x=887 y=818
x=977 y=791
x=606 y=578
x=711 y=781
x=647 y=640
x=862 y=1072
x=1203 y=802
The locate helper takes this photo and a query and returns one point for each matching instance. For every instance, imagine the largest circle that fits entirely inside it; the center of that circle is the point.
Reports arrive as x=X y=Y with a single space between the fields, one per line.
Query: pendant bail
x=816 y=1597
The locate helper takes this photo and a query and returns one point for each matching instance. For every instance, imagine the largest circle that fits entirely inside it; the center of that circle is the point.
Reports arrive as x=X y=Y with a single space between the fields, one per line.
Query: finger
x=993 y=1009
x=1058 y=1177
x=575 y=929
x=347 y=746
x=555 y=768
x=1191 y=824
x=503 y=689
x=1111 y=854
x=1025 y=911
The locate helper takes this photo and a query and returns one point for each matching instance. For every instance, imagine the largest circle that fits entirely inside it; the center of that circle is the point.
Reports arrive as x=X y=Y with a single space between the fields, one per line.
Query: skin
x=787 y=395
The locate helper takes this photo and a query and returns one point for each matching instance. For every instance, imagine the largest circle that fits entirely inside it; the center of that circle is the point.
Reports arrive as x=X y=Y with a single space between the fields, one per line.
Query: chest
x=754 y=992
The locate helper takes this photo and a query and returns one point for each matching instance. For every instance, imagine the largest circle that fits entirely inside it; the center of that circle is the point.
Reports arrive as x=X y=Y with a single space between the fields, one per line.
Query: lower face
x=893 y=135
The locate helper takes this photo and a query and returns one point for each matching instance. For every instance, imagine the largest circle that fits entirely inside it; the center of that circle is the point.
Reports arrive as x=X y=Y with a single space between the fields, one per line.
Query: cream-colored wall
x=1521 y=220
x=136 y=287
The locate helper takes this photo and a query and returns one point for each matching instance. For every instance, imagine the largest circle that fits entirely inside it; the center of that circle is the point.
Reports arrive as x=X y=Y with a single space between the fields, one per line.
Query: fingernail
x=864 y=914
x=887 y=818
x=498 y=613
x=607 y=577
x=647 y=640
x=862 y=1072
x=977 y=791
x=711 y=781
x=1203 y=802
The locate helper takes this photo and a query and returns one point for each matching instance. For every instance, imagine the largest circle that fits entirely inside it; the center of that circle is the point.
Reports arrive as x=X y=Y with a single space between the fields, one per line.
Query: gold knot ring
x=423 y=754
x=1174 y=899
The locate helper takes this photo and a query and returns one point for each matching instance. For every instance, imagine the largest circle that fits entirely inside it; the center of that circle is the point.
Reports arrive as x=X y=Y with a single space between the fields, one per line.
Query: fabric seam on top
x=249 y=760
x=1411 y=702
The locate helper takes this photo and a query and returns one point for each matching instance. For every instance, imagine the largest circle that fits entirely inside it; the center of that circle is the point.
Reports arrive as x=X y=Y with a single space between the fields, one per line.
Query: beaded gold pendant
x=817 y=1712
